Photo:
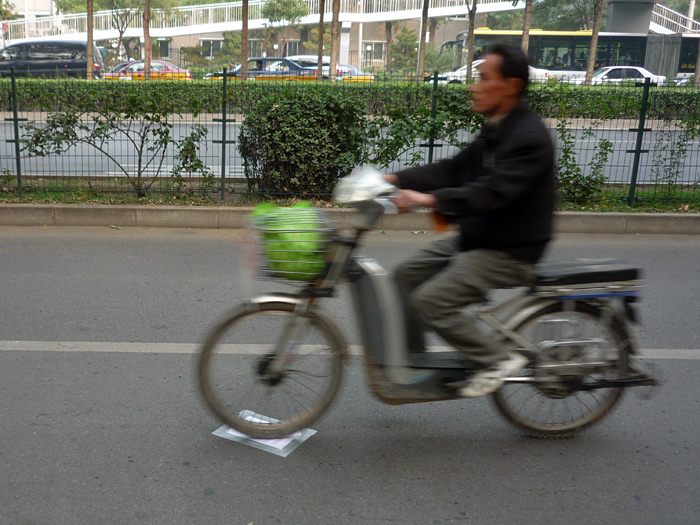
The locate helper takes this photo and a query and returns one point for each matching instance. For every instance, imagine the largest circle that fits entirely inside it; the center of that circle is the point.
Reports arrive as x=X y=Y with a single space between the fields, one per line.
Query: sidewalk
x=236 y=218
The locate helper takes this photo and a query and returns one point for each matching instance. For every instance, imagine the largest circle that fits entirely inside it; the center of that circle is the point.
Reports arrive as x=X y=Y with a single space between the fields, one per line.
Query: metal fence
x=648 y=152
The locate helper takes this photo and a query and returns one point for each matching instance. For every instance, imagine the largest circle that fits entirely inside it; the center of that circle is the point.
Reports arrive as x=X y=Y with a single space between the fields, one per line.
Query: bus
x=565 y=53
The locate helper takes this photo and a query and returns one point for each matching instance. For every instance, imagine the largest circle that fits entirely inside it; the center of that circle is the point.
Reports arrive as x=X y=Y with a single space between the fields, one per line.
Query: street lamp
x=368 y=55
x=275 y=47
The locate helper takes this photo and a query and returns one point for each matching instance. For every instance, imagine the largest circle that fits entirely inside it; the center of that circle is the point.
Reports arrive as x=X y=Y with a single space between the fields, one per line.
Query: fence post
x=638 y=147
x=15 y=120
x=433 y=111
x=223 y=140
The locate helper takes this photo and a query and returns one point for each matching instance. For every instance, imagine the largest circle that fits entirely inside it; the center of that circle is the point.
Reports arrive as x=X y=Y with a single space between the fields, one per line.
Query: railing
x=673 y=21
x=194 y=17
x=621 y=143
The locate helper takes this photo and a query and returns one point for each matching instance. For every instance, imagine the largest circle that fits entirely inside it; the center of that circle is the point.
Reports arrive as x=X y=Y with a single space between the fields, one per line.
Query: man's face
x=492 y=94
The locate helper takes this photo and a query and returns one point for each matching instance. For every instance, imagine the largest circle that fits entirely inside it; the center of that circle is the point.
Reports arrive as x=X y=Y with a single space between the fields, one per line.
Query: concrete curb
x=236 y=218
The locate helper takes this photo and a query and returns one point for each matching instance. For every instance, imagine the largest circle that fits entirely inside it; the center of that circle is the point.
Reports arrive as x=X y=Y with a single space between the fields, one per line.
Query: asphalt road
x=101 y=421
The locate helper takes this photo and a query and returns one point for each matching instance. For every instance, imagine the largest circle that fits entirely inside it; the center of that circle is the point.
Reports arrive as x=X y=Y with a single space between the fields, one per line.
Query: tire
x=557 y=404
x=232 y=375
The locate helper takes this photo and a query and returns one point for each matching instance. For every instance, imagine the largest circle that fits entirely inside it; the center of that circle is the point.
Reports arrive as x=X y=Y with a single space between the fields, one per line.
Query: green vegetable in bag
x=291 y=250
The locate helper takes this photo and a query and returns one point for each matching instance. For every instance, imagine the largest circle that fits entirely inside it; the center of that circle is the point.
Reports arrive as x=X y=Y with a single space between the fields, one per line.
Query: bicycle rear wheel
x=578 y=349
x=235 y=378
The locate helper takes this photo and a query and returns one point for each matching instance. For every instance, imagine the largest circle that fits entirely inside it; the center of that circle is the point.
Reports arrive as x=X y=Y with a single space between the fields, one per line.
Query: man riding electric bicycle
x=500 y=192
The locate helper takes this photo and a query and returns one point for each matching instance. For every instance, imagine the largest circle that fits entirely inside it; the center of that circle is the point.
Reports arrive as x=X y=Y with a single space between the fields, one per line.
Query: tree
x=470 y=45
x=147 y=40
x=77 y=6
x=564 y=15
x=597 y=16
x=90 y=21
x=527 y=22
x=432 y=29
x=284 y=13
x=388 y=27
x=7 y=10
x=552 y=15
x=683 y=7
x=403 y=52
x=504 y=20
x=123 y=14
x=244 y=40
x=335 y=40
x=312 y=42
x=321 y=33
x=231 y=52
x=436 y=61
x=143 y=122
x=421 y=42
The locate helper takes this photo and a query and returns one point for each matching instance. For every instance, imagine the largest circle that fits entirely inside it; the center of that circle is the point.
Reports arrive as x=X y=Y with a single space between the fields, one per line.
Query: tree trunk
x=592 y=51
x=244 y=40
x=433 y=30
x=388 y=26
x=527 y=22
x=335 y=39
x=421 y=42
x=470 y=45
x=147 y=40
x=90 y=56
x=319 y=66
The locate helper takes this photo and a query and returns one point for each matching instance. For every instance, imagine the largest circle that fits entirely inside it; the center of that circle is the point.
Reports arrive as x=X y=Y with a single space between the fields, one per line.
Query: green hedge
x=552 y=100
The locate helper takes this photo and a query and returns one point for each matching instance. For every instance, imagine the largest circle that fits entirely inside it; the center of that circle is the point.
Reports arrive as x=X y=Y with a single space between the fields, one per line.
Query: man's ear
x=515 y=86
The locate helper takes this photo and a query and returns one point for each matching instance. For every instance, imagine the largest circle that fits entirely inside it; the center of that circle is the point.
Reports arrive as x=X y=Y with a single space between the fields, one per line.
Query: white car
x=459 y=76
x=620 y=74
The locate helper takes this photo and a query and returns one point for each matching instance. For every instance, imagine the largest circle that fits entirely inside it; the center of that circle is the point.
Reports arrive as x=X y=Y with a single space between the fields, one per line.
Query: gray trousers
x=441 y=280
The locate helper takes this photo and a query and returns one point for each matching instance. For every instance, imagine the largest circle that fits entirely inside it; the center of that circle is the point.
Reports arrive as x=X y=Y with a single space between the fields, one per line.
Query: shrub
x=302 y=141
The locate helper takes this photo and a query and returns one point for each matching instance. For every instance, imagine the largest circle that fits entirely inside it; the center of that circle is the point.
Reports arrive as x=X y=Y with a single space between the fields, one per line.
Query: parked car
x=310 y=62
x=347 y=73
x=459 y=76
x=160 y=70
x=620 y=74
x=266 y=68
x=353 y=74
x=50 y=58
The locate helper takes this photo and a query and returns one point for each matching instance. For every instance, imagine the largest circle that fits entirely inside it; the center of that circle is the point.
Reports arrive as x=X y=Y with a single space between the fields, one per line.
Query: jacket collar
x=490 y=131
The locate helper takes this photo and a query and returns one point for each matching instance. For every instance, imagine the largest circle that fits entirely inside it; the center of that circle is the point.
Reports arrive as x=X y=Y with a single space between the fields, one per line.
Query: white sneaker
x=491 y=379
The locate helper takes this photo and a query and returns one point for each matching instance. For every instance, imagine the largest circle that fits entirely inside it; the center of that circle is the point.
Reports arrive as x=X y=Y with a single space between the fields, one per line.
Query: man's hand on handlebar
x=408 y=200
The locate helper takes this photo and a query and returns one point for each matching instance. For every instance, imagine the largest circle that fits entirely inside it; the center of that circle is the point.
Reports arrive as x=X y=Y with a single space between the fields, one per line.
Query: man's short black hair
x=513 y=64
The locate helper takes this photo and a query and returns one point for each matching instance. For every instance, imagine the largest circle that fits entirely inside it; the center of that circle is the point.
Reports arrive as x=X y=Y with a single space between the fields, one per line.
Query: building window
x=372 y=53
x=255 y=47
x=163 y=48
x=210 y=46
x=292 y=48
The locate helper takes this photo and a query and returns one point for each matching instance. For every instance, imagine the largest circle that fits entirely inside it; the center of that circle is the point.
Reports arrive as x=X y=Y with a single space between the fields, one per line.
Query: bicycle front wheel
x=235 y=378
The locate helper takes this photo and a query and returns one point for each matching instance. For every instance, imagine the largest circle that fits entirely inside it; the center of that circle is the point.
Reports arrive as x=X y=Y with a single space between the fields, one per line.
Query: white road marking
x=244 y=349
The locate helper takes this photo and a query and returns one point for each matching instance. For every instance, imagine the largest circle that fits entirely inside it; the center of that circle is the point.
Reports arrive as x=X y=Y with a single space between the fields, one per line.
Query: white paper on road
x=280 y=447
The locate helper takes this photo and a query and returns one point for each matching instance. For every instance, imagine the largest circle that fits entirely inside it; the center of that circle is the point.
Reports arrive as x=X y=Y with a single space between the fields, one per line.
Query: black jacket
x=499 y=189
